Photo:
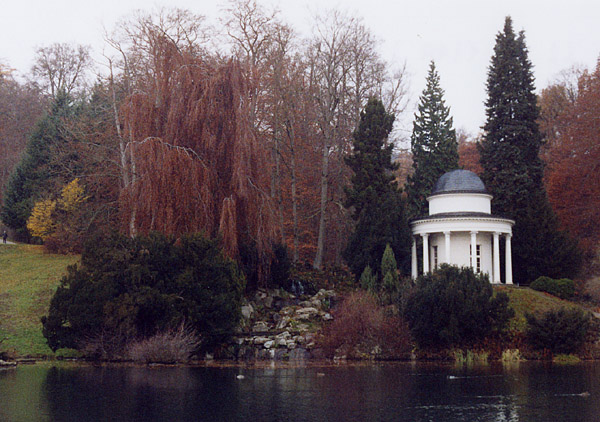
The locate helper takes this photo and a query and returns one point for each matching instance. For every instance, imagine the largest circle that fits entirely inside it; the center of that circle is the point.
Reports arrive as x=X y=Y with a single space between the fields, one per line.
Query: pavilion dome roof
x=459 y=181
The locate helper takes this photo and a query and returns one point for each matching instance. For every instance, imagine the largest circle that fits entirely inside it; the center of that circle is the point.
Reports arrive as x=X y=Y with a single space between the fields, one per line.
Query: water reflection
x=387 y=392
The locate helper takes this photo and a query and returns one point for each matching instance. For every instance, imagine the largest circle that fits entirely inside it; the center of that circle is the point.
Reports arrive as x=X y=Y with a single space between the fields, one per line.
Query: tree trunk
x=318 y=262
x=291 y=137
x=122 y=145
x=278 y=190
x=132 y=217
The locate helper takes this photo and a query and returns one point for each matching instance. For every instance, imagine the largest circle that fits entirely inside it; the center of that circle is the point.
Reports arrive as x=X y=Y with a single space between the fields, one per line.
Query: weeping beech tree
x=195 y=162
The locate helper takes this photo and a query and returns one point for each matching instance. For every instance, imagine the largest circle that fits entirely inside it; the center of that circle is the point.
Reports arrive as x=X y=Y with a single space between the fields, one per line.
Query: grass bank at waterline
x=524 y=300
x=28 y=279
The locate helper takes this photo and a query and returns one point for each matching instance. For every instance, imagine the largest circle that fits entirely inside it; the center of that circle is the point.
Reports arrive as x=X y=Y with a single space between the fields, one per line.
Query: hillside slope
x=28 y=279
x=525 y=300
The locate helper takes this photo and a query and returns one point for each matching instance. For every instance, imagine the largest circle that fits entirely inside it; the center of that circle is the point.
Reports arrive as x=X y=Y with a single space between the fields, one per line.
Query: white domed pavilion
x=460 y=228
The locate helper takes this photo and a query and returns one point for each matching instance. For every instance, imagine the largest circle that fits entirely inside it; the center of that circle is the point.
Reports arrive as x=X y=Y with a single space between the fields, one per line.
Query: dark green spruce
x=512 y=168
x=33 y=176
x=433 y=144
x=373 y=196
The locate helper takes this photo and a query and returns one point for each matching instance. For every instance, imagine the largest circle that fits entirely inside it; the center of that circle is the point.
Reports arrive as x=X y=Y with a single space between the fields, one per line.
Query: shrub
x=363 y=328
x=560 y=331
x=389 y=289
x=170 y=346
x=511 y=355
x=563 y=359
x=455 y=307
x=469 y=357
x=135 y=288
x=563 y=288
x=103 y=345
x=368 y=280
x=592 y=289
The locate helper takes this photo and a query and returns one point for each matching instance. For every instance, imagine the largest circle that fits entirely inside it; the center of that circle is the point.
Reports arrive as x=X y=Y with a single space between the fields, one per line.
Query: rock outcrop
x=281 y=326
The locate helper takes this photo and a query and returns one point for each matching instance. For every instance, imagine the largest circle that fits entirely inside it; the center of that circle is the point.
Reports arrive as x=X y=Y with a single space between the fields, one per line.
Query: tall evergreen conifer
x=376 y=203
x=433 y=144
x=512 y=169
x=31 y=178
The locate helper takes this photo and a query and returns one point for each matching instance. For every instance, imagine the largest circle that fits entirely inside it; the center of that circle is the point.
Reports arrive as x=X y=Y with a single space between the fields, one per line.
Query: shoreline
x=273 y=363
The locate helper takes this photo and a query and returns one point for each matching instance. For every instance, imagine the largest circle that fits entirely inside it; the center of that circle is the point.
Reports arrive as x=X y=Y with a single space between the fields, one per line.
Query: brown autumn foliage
x=250 y=148
x=554 y=101
x=196 y=164
x=404 y=161
x=573 y=165
x=468 y=154
x=304 y=105
x=361 y=327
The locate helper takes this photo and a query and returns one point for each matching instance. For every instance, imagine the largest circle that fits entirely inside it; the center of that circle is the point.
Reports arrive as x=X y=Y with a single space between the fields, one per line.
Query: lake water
x=387 y=392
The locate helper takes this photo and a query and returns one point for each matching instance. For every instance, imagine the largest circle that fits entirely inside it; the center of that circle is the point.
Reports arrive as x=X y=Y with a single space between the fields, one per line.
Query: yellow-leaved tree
x=41 y=221
x=56 y=221
x=72 y=196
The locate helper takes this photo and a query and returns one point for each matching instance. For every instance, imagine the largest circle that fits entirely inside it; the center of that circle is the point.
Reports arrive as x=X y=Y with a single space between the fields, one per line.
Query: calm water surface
x=386 y=392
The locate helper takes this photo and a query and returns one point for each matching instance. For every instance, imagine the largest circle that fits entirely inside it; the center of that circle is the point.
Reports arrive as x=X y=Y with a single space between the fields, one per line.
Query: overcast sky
x=458 y=35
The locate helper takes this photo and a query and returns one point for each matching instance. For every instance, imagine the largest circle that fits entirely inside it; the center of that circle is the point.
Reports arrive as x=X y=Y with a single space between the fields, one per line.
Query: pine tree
x=376 y=203
x=433 y=144
x=512 y=168
x=31 y=179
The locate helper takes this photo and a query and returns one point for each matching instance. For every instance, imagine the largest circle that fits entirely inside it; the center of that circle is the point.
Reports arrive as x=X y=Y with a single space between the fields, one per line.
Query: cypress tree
x=373 y=196
x=433 y=144
x=389 y=268
x=512 y=168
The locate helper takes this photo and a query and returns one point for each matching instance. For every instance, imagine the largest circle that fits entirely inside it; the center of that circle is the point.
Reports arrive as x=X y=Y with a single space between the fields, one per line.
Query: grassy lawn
x=525 y=300
x=28 y=279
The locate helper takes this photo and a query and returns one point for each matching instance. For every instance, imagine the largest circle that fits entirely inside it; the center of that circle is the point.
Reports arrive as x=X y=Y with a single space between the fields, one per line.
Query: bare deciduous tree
x=344 y=70
x=62 y=67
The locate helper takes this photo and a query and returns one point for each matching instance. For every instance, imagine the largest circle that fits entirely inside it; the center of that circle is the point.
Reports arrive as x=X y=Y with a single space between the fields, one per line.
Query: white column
x=474 y=250
x=447 y=245
x=413 y=264
x=509 y=279
x=425 y=253
x=496 y=258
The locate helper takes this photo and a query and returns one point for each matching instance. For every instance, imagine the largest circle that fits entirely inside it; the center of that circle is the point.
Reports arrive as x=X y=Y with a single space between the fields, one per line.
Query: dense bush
x=128 y=289
x=455 y=307
x=560 y=331
x=361 y=328
x=563 y=288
